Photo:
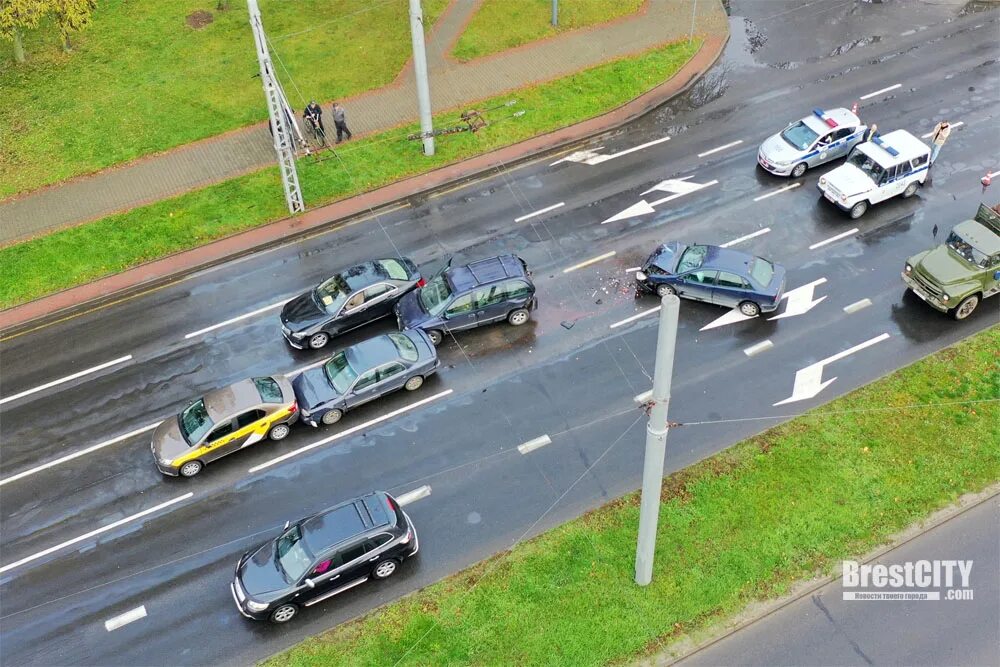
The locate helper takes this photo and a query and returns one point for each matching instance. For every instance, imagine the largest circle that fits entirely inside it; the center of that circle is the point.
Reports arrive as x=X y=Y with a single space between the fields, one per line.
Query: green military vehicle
x=958 y=274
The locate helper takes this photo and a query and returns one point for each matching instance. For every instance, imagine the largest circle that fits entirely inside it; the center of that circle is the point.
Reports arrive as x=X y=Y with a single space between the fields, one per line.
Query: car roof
x=905 y=144
x=485 y=271
x=979 y=235
x=225 y=402
x=371 y=353
x=363 y=275
x=726 y=259
x=342 y=522
x=843 y=118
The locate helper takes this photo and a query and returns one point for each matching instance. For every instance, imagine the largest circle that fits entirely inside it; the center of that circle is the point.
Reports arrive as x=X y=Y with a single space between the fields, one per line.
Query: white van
x=876 y=170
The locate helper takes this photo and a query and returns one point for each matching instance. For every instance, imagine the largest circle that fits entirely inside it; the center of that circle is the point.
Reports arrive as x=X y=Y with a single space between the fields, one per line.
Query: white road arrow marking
x=591 y=157
x=731 y=317
x=679 y=188
x=800 y=300
x=809 y=380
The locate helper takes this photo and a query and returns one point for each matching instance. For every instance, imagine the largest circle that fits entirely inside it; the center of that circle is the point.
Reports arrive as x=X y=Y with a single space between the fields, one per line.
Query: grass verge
x=499 y=25
x=740 y=526
x=142 y=80
x=80 y=254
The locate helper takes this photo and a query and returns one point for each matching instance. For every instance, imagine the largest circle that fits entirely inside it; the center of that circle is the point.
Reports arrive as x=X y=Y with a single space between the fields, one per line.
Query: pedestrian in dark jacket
x=340 y=120
x=870 y=132
x=315 y=115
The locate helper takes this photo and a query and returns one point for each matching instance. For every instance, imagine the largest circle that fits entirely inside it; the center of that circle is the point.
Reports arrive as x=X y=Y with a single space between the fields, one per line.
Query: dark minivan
x=465 y=297
x=322 y=555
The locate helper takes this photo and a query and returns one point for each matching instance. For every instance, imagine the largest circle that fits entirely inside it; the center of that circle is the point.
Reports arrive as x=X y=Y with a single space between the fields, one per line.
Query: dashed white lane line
x=857 y=305
x=635 y=317
x=125 y=619
x=952 y=125
x=759 y=232
x=907 y=33
x=721 y=148
x=414 y=495
x=351 y=431
x=534 y=444
x=236 y=319
x=834 y=238
x=590 y=261
x=540 y=212
x=778 y=191
x=68 y=378
x=879 y=92
x=758 y=348
x=82 y=452
x=99 y=531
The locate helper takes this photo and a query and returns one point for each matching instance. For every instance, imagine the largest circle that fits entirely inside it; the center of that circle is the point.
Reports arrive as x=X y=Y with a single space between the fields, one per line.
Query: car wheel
x=319 y=340
x=413 y=383
x=284 y=613
x=191 y=468
x=332 y=416
x=910 y=190
x=749 y=308
x=385 y=568
x=859 y=210
x=518 y=317
x=799 y=169
x=436 y=336
x=664 y=290
x=279 y=432
x=965 y=308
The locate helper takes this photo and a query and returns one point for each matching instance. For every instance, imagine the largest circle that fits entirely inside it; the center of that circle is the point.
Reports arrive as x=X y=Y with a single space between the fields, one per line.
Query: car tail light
x=294 y=408
x=421 y=282
x=409 y=536
x=390 y=502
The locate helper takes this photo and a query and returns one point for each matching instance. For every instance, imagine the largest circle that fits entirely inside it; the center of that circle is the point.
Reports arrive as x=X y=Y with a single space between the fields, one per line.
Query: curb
x=177 y=267
x=757 y=611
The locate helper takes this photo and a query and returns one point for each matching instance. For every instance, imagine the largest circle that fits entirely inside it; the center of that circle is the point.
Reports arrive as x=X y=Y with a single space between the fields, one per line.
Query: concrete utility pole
x=282 y=122
x=555 y=13
x=656 y=440
x=420 y=72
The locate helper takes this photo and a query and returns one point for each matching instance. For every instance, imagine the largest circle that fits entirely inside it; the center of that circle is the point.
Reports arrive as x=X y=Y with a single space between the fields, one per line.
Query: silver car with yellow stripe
x=820 y=137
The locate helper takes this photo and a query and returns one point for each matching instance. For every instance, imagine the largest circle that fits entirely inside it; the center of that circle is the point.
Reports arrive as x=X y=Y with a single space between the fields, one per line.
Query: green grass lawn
x=741 y=526
x=504 y=24
x=141 y=81
x=79 y=254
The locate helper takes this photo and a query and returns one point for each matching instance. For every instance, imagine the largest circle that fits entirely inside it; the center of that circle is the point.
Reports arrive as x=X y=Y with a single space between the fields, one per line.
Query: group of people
x=313 y=115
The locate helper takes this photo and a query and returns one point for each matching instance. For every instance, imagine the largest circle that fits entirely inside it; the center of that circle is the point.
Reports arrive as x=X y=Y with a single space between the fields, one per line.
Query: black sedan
x=364 y=372
x=350 y=299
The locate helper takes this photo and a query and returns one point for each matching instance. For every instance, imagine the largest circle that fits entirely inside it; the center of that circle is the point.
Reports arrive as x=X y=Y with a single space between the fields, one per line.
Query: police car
x=819 y=138
x=886 y=166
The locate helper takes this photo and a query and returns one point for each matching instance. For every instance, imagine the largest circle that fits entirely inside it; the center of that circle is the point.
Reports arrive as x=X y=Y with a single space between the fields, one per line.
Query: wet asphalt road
x=567 y=374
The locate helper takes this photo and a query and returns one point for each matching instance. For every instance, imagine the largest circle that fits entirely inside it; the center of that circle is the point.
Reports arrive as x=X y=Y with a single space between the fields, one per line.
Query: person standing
x=340 y=120
x=314 y=114
x=870 y=132
x=939 y=136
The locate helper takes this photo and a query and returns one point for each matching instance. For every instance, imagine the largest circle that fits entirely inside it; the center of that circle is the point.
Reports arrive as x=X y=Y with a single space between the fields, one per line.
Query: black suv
x=470 y=296
x=322 y=555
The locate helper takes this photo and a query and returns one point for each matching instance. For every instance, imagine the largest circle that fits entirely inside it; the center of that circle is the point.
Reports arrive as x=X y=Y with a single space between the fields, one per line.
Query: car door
x=219 y=441
x=842 y=142
x=821 y=150
x=353 y=314
x=730 y=289
x=363 y=390
x=697 y=285
x=491 y=303
x=892 y=183
x=460 y=314
x=323 y=574
x=379 y=300
x=391 y=377
x=353 y=561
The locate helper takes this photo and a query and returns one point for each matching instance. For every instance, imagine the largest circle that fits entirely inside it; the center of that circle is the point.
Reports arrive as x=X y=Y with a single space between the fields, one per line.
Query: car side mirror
x=310 y=583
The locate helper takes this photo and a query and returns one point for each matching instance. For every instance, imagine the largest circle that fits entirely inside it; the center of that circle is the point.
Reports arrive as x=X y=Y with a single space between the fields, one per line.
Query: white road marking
x=721 y=148
x=578 y=156
x=857 y=305
x=125 y=619
x=731 y=317
x=834 y=238
x=414 y=495
x=351 y=431
x=534 y=444
x=540 y=211
x=592 y=158
x=879 y=92
x=953 y=126
x=75 y=455
x=758 y=348
x=809 y=380
x=635 y=317
x=679 y=187
x=907 y=32
x=87 y=536
x=800 y=300
x=759 y=232
x=632 y=269
x=778 y=191
x=47 y=385
x=237 y=319
x=588 y=262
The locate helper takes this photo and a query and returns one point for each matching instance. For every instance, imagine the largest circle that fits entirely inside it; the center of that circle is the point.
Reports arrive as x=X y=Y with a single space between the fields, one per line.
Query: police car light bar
x=884 y=146
x=819 y=113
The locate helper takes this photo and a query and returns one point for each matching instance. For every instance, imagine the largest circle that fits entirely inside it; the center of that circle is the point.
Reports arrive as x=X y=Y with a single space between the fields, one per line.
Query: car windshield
x=761 y=271
x=865 y=164
x=339 y=373
x=434 y=295
x=394 y=268
x=692 y=258
x=969 y=252
x=332 y=294
x=799 y=136
x=292 y=556
x=269 y=390
x=407 y=350
x=195 y=422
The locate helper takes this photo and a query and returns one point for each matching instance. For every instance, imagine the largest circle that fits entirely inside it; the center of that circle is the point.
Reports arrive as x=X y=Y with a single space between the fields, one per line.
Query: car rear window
x=376 y=510
x=761 y=271
x=407 y=350
x=269 y=390
x=394 y=268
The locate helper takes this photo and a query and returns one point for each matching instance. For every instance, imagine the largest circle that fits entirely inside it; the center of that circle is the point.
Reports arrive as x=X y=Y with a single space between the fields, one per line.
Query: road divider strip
x=236 y=319
x=849 y=232
x=635 y=317
x=721 y=148
x=125 y=619
x=952 y=125
x=857 y=305
x=778 y=191
x=879 y=92
x=68 y=378
x=762 y=346
x=534 y=444
x=759 y=232
x=414 y=495
x=93 y=533
x=590 y=261
x=350 y=431
x=540 y=212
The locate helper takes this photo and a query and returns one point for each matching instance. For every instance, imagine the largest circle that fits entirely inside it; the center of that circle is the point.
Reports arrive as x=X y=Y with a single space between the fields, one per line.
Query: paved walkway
x=453 y=85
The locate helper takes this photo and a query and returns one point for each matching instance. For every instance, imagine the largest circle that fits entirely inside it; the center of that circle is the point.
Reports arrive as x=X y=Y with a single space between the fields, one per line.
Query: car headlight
x=822 y=180
x=255 y=606
x=909 y=269
x=298 y=334
x=164 y=461
x=945 y=297
x=843 y=198
x=639 y=275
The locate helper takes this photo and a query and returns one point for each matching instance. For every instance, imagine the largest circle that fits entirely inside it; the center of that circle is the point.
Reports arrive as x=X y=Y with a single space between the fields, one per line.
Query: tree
x=72 y=16
x=16 y=16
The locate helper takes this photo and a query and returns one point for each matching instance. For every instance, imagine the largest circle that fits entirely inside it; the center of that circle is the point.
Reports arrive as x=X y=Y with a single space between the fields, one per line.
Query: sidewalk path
x=452 y=85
